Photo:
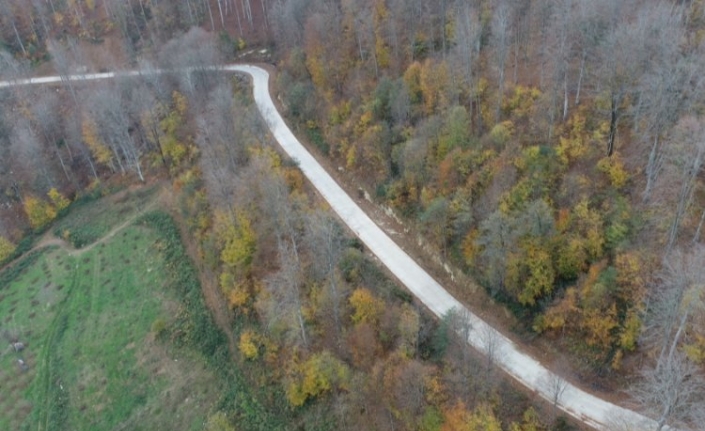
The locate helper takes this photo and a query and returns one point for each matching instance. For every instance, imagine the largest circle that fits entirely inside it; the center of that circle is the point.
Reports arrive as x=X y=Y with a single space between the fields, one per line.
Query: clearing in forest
x=106 y=330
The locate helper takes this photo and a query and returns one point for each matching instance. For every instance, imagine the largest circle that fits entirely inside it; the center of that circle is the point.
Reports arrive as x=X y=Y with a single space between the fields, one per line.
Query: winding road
x=574 y=401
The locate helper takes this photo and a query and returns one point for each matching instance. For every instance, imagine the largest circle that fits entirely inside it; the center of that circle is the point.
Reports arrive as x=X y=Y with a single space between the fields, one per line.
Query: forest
x=551 y=150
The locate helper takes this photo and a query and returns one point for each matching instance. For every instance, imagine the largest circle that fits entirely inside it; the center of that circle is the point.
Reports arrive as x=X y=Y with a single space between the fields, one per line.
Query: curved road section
x=577 y=403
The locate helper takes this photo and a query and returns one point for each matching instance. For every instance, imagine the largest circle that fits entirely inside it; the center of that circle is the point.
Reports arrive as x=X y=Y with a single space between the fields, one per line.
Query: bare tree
x=492 y=347
x=677 y=299
x=285 y=305
x=8 y=14
x=46 y=113
x=326 y=244
x=67 y=59
x=687 y=154
x=465 y=55
x=288 y=18
x=555 y=386
x=669 y=90
x=501 y=37
x=673 y=392
x=29 y=161
x=110 y=113
x=189 y=56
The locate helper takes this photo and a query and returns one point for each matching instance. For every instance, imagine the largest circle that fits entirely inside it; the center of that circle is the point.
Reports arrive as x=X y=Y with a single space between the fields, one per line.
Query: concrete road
x=577 y=403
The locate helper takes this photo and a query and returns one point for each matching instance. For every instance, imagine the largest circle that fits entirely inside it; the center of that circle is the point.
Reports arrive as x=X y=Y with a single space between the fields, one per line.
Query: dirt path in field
x=49 y=239
x=209 y=284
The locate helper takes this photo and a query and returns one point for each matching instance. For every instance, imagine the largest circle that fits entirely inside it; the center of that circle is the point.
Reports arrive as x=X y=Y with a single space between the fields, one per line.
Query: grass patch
x=93 y=360
x=91 y=219
x=194 y=328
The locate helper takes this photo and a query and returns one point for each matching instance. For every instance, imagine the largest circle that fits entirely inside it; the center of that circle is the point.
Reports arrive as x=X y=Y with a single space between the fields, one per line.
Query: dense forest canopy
x=551 y=149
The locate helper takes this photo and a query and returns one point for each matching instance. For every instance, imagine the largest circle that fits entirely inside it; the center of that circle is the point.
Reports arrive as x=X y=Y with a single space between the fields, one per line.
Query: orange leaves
x=603 y=311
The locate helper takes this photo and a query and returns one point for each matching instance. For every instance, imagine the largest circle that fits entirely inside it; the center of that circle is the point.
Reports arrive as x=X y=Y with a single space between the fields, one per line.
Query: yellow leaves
x=589 y=224
x=412 y=79
x=458 y=418
x=559 y=315
x=6 y=248
x=319 y=374
x=531 y=422
x=241 y=44
x=100 y=151
x=59 y=201
x=218 y=422
x=528 y=156
x=249 y=344
x=598 y=325
x=501 y=133
x=340 y=113
x=470 y=247
x=180 y=103
x=381 y=47
x=39 y=212
x=315 y=65
x=572 y=257
x=351 y=157
x=175 y=144
x=238 y=296
x=630 y=270
x=266 y=154
x=364 y=123
x=409 y=324
x=631 y=331
x=367 y=308
x=58 y=18
x=240 y=242
x=294 y=179
x=573 y=146
x=539 y=275
x=435 y=82
x=696 y=349
x=522 y=101
x=613 y=168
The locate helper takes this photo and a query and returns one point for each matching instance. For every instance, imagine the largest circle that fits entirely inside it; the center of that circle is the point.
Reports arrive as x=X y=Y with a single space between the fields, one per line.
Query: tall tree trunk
x=17 y=35
x=580 y=77
x=653 y=167
x=220 y=10
x=614 y=107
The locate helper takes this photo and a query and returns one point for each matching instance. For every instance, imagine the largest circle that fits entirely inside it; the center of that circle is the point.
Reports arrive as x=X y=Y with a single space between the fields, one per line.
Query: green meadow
x=108 y=333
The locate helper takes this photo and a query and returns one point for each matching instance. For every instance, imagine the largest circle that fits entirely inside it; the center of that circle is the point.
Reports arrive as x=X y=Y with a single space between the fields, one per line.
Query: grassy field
x=91 y=221
x=106 y=334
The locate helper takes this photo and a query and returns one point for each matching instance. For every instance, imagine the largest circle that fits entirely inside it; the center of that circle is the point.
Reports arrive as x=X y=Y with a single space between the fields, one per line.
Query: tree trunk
x=613 y=125
x=17 y=35
x=580 y=77
x=696 y=237
x=653 y=166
